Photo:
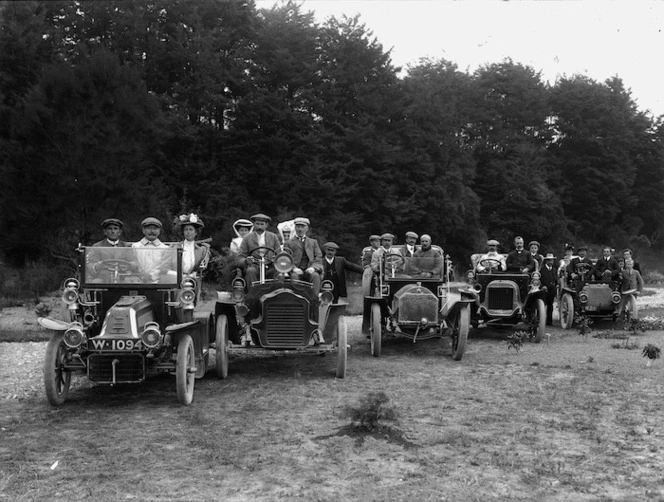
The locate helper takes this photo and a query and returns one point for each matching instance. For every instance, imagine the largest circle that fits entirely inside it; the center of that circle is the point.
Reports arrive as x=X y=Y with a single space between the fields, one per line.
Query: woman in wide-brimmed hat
x=241 y=228
x=195 y=256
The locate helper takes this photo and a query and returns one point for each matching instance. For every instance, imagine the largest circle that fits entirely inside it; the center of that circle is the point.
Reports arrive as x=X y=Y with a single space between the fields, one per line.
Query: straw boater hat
x=549 y=256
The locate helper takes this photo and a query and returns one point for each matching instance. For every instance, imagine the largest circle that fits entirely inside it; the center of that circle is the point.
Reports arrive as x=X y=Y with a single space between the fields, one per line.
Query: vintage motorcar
x=278 y=315
x=511 y=299
x=131 y=315
x=585 y=296
x=413 y=298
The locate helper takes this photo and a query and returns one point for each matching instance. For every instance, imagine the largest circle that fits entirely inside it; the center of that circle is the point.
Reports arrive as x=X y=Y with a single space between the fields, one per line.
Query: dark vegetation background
x=138 y=108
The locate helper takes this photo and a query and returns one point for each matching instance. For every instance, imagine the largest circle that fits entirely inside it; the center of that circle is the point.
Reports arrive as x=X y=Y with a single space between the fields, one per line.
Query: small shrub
x=515 y=340
x=371 y=410
x=583 y=323
x=652 y=352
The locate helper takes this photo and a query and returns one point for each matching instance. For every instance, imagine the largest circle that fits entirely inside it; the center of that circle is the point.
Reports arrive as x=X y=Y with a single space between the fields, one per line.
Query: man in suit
x=576 y=270
x=550 y=282
x=250 y=255
x=307 y=256
x=107 y=249
x=520 y=260
x=607 y=268
x=409 y=249
x=628 y=255
x=494 y=260
x=334 y=269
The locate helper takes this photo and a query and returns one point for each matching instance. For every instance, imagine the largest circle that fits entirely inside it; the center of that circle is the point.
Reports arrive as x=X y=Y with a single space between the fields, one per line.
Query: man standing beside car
x=550 y=282
x=334 y=269
x=258 y=244
x=519 y=260
x=307 y=256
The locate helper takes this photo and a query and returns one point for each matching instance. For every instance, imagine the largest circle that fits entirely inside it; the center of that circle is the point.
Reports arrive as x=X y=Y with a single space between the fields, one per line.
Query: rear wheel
x=376 y=330
x=185 y=370
x=56 y=378
x=539 y=320
x=342 y=347
x=566 y=311
x=221 y=346
x=460 y=335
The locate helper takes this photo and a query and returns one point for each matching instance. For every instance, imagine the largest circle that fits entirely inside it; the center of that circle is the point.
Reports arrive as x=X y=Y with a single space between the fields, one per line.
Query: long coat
x=336 y=272
x=201 y=255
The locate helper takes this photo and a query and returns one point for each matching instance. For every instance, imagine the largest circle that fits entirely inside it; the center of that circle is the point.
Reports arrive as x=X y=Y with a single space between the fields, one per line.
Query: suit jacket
x=406 y=253
x=336 y=272
x=250 y=242
x=311 y=248
x=516 y=261
x=105 y=251
x=603 y=264
x=549 y=278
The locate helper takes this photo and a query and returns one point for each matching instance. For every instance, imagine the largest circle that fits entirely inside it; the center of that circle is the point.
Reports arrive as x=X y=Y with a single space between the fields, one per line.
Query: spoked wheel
x=342 y=347
x=185 y=370
x=376 y=330
x=566 y=311
x=56 y=378
x=221 y=346
x=460 y=335
x=539 y=320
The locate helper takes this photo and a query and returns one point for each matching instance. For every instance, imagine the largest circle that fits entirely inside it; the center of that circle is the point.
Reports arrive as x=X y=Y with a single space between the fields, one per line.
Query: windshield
x=428 y=266
x=128 y=265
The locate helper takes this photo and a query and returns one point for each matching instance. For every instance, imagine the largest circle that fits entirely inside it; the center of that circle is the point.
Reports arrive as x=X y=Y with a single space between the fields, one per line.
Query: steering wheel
x=114 y=265
x=394 y=260
x=582 y=268
x=489 y=263
x=265 y=257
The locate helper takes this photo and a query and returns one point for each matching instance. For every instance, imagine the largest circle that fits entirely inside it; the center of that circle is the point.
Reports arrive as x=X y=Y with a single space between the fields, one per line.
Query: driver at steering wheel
x=492 y=258
x=112 y=228
x=256 y=245
x=385 y=248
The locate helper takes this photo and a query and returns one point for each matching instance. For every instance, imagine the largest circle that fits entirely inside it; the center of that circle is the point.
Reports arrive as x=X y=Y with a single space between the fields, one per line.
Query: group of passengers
x=195 y=254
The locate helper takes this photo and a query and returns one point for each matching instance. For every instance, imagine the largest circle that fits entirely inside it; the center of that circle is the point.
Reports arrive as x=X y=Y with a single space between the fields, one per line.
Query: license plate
x=116 y=345
x=591 y=308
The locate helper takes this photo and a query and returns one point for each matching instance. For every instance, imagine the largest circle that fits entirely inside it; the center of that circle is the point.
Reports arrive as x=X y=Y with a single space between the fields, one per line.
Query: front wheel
x=566 y=311
x=185 y=370
x=539 y=320
x=376 y=330
x=342 y=347
x=460 y=335
x=56 y=378
x=221 y=347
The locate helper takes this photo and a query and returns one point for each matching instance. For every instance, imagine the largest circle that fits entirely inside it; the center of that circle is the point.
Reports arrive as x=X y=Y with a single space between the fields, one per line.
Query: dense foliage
x=140 y=108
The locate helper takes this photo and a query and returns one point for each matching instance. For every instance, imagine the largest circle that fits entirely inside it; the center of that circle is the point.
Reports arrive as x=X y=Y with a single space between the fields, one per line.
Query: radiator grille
x=129 y=368
x=500 y=298
x=285 y=325
x=415 y=306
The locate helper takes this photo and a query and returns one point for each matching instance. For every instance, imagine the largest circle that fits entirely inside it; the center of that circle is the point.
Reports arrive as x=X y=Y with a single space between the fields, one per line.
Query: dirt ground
x=571 y=419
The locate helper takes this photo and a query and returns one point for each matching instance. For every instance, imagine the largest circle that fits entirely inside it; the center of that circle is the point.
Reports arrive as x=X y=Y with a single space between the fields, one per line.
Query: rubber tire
x=221 y=347
x=376 y=330
x=342 y=347
x=56 y=380
x=185 y=379
x=540 y=308
x=631 y=309
x=461 y=331
x=566 y=306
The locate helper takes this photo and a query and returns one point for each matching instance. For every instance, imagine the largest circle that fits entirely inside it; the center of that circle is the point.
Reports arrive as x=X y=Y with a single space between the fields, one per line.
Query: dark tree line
x=141 y=108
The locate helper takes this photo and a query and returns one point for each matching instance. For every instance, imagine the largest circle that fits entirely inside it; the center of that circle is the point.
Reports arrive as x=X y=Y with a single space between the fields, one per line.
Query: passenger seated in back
x=426 y=262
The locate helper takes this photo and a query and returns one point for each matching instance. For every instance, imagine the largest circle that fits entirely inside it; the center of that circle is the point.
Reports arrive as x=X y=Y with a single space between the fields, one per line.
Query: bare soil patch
x=573 y=419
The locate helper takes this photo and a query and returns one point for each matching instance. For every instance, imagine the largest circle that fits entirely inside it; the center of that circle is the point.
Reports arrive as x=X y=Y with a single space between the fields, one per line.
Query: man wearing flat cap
x=533 y=247
x=112 y=228
x=150 y=262
x=575 y=272
x=409 y=249
x=307 y=256
x=250 y=253
x=386 y=241
x=550 y=281
x=492 y=258
x=519 y=260
x=367 y=252
x=334 y=269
